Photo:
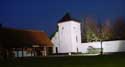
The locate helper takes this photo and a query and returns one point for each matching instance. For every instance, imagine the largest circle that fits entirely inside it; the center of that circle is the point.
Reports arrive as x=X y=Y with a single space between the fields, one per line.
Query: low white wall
x=108 y=46
x=113 y=46
x=84 y=46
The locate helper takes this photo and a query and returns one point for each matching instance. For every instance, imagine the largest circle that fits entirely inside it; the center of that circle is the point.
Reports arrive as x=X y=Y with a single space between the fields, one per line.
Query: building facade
x=24 y=43
x=68 y=37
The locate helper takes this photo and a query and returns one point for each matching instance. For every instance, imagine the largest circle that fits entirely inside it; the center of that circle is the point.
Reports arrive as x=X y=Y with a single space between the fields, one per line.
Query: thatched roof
x=23 y=38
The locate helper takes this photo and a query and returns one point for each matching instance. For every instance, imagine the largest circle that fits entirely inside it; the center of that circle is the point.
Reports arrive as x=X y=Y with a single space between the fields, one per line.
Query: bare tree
x=107 y=32
x=119 y=29
x=90 y=29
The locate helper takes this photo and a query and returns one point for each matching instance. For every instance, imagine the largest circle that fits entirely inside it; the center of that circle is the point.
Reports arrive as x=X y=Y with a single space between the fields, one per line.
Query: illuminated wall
x=68 y=37
x=108 y=46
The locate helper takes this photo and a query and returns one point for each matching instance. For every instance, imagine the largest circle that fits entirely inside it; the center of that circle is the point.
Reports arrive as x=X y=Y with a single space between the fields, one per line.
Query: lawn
x=68 y=61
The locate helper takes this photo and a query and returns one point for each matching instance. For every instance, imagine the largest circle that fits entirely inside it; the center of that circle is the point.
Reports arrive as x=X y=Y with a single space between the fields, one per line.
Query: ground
x=67 y=61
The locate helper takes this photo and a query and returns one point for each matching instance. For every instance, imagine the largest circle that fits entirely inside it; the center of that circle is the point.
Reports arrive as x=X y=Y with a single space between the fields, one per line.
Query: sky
x=43 y=15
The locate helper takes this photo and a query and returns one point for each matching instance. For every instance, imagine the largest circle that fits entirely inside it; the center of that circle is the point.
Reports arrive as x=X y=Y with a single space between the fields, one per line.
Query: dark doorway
x=56 y=49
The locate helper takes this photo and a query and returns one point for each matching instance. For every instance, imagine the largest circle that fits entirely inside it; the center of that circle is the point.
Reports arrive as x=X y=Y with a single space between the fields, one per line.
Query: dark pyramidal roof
x=67 y=17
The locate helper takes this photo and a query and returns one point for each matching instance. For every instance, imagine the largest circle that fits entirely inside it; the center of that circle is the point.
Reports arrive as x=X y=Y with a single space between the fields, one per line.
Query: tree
x=119 y=29
x=90 y=28
x=107 y=32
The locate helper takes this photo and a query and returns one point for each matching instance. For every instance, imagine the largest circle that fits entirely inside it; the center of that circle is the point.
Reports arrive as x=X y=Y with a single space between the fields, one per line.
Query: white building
x=68 y=39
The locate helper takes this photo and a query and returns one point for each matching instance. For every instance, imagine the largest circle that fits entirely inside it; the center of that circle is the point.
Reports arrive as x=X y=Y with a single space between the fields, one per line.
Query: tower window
x=76 y=39
x=62 y=28
x=74 y=27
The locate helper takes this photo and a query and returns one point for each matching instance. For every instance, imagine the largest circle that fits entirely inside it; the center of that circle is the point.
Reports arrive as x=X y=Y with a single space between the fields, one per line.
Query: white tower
x=69 y=35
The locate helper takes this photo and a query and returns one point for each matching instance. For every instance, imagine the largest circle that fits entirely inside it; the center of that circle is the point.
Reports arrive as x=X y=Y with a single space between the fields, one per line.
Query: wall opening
x=56 y=49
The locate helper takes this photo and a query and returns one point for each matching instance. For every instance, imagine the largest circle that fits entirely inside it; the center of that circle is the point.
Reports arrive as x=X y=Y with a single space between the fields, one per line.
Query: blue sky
x=44 y=14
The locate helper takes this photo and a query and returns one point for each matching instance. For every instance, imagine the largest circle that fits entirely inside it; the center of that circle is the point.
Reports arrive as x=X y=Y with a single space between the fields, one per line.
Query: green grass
x=69 y=61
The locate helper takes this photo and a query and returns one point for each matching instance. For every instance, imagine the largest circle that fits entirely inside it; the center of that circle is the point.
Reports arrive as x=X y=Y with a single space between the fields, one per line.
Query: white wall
x=108 y=46
x=84 y=46
x=65 y=44
x=76 y=36
x=114 y=46
x=67 y=33
x=55 y=41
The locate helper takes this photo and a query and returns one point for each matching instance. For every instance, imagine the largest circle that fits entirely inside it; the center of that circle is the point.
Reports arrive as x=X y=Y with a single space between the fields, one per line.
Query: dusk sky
x=44 y=14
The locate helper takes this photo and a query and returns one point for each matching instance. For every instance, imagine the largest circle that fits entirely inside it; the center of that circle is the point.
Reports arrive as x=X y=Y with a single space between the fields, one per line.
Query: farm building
x=23 y=43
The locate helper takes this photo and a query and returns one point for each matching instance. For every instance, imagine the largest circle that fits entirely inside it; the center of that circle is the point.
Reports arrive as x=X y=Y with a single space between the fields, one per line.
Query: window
x=76 y=39
x=74 y=27
x=62 y=28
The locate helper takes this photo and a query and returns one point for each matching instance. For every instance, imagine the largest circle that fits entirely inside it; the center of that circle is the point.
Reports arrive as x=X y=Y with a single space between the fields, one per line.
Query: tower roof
x=67 y=17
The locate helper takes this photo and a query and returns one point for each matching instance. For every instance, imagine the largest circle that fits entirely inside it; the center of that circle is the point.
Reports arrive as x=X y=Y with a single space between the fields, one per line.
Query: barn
x=24 y=43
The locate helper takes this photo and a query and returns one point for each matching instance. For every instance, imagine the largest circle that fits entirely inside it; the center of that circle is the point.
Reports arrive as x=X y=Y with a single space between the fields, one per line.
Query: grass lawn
x=69 y=61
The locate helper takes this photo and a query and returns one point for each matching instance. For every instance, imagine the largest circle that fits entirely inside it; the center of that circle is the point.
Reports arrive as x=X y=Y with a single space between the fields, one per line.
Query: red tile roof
x=23 y=38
